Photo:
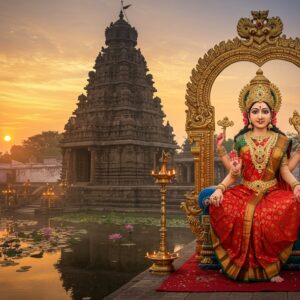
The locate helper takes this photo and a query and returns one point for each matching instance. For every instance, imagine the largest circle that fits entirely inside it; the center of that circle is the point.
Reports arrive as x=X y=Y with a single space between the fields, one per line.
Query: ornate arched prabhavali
x=260 y=41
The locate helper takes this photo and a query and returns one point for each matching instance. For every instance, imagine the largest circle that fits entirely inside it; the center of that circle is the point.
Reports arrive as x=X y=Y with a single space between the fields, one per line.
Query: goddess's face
x=260 y=115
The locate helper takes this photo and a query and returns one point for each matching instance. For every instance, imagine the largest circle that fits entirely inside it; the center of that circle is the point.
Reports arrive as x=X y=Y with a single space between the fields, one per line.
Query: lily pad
x=68 y=250
x=25 y=267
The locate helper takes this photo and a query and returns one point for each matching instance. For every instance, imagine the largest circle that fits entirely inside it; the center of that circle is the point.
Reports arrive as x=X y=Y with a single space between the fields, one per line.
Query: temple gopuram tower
x=116 y=134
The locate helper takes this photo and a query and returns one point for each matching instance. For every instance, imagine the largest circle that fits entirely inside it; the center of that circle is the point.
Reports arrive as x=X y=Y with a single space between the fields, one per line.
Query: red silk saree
x=253 y=230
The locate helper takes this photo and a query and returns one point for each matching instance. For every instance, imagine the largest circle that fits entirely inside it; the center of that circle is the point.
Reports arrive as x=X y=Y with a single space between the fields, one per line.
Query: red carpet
x=190 y=278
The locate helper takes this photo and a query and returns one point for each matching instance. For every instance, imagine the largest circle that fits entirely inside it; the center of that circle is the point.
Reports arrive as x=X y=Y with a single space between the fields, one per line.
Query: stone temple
x=116 y=135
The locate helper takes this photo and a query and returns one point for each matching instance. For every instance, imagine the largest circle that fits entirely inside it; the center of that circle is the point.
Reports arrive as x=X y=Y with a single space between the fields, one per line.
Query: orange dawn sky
x=48 y=47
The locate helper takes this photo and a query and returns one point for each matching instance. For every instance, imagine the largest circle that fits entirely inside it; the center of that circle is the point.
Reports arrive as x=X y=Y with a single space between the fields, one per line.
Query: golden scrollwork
x=259 y=30
x=295 y=121
x=257 y=44
x=201 y=118
x=192 y=211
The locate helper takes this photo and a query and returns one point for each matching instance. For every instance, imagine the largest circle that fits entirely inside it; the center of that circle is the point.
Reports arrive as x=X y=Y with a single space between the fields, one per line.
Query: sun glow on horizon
x=7 y=138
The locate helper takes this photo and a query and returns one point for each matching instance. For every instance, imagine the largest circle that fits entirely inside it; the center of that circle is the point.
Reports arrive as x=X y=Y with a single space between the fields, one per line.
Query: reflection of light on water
x=178 y=247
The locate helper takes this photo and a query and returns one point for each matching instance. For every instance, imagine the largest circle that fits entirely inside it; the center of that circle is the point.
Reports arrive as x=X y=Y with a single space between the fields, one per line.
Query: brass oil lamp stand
x=48 y=196
x=8 y=192
x=162 y=260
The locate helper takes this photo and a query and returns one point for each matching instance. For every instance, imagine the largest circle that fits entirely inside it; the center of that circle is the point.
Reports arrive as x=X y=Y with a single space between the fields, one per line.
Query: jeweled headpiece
x=260 y=89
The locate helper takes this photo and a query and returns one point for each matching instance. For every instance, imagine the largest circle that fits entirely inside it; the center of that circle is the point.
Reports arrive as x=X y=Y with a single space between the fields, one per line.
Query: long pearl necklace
x=260 y=151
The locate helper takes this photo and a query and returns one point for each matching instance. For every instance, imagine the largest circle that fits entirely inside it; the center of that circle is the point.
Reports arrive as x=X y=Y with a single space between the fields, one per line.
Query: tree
x=38 y=147
x=19 y=153
x=5 y=158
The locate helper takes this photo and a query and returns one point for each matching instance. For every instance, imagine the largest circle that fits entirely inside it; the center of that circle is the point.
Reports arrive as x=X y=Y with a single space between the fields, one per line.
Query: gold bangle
x=294 y=184
x=222 y=187
x=221 y=151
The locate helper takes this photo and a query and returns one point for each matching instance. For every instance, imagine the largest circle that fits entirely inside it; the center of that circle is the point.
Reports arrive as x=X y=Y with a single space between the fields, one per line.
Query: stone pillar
x=93 y=164
x=177 y=170
x=188 y=173
x=68 y=160
x=73 y=175
x=154 y=159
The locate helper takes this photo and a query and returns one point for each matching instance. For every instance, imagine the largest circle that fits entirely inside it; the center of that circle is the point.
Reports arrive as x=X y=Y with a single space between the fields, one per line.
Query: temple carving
x=116 y=134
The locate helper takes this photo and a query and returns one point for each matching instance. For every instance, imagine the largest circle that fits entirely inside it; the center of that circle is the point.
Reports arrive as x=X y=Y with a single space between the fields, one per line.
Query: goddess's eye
x=265 y=111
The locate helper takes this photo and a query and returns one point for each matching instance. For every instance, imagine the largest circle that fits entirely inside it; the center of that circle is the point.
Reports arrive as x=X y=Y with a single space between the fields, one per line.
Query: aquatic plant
x=115 y=236
x=129 y=227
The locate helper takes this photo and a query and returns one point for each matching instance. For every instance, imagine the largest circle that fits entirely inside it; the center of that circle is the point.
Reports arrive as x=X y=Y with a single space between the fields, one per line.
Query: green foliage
x=120 y=219
x=5 y=158
x=19 y=153
x=37 y=237
x=43 y=145
x=35 y=148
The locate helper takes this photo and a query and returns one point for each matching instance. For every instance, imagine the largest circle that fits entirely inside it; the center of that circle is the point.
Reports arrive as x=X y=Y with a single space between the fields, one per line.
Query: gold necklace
x=260 y=153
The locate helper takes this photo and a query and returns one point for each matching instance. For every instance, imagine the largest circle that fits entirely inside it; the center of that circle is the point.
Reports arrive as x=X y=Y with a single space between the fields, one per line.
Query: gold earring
x=250 y=126
x=270 y=125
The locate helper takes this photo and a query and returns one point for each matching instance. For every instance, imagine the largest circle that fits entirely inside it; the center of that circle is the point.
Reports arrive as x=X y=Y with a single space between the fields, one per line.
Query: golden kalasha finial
x=225 y=123
x=295 y=121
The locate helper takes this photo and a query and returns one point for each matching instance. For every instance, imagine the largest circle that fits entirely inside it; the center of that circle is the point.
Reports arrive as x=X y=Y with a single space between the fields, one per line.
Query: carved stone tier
x=115 y=136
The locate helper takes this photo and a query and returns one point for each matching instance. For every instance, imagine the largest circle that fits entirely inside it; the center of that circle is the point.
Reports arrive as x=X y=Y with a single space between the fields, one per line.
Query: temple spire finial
x=122 y=12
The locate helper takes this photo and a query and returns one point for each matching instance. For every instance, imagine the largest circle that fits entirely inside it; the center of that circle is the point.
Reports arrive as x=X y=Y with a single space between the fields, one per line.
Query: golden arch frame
x=260 y=41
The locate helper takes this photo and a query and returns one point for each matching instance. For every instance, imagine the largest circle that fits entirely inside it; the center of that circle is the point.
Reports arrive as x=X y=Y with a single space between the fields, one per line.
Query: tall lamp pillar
x=162 y=260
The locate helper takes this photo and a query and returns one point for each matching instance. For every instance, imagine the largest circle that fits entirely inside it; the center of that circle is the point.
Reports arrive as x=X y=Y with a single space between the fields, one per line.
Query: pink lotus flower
x=129 y=227
x=115 y=236
x=47 y=232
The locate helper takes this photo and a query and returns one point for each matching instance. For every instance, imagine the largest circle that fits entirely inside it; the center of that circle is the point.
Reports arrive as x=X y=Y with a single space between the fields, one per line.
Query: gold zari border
x=250 y=274
x=254 y=274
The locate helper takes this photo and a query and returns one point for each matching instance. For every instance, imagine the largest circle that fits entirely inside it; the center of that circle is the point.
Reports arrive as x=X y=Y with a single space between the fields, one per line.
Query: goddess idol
x=255 y=223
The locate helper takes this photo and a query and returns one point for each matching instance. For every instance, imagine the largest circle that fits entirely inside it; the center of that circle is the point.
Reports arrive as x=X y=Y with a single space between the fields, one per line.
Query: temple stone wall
x=136 y=198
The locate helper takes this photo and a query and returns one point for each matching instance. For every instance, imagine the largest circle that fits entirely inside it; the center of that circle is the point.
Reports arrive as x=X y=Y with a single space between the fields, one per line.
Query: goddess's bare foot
x=277 y=279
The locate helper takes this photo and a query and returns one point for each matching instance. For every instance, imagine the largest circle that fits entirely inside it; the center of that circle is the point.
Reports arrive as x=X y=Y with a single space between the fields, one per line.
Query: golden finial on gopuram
x=295 y=121
x=225 y=123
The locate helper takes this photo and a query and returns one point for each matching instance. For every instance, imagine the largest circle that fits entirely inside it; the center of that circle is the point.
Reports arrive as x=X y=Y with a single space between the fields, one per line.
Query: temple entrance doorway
x=83 y=165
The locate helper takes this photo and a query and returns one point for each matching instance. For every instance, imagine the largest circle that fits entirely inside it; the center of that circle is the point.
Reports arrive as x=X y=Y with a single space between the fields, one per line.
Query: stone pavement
x=143 y=287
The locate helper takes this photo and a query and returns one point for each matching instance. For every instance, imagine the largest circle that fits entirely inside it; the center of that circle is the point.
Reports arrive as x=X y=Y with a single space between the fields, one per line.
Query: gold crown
x=260 y=89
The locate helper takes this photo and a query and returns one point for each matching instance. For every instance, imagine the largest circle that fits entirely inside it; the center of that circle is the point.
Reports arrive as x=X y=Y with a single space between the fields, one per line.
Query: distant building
x=17 y=172
x=184 y=165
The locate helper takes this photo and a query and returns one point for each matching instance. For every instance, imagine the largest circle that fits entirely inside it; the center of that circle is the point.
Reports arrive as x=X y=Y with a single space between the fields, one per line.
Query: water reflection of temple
x=110 y=264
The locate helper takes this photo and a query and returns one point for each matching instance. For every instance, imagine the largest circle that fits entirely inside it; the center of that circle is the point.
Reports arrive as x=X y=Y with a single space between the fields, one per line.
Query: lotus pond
x=80 y=255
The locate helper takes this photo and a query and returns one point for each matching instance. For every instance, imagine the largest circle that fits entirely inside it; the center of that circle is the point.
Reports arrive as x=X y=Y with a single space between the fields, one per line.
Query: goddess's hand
x=235 y=161
x=297 y=193
x=220 y=139
x=216 y=198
